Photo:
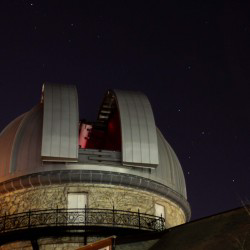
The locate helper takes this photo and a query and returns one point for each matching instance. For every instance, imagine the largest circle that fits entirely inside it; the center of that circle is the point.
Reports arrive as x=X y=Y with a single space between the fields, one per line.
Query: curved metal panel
x=7 y=138
x=170 y=171
x=60 y=123
x=26 y=152
x=139 y=140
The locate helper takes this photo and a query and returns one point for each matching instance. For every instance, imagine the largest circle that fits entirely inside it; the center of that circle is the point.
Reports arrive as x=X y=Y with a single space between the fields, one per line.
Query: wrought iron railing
x=81 y=217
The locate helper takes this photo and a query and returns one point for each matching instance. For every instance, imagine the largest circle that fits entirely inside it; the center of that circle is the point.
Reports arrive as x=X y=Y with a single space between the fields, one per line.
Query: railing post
x=56 y=215
x=4 y=221
x=29 y=219
x=139 y=219
x=113 y=215
x=162 y=223
x=85 y=215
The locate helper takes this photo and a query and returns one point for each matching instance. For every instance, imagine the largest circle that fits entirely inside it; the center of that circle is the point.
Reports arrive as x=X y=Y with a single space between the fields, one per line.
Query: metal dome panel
x=138 y=130
x=170 y=171
x=26 y=152
x=7 y=138
x=139 y=141
x=60 y=123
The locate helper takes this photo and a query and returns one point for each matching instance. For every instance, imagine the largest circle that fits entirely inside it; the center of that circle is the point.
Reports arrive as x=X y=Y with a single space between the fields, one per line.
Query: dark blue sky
x=191 y=59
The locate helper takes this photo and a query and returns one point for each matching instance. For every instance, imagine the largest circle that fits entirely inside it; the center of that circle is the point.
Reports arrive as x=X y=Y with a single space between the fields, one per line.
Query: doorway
x=77 y=200
x=160 y=211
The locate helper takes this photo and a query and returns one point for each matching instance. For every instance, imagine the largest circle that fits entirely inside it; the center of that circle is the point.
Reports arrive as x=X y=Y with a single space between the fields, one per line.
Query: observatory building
x=65 y=182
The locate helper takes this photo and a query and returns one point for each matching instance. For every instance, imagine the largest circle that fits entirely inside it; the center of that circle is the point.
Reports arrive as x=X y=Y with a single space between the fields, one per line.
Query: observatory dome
x=123 y=147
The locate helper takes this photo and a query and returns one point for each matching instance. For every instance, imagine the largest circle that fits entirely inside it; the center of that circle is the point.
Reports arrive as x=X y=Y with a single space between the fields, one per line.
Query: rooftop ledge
x=96 y=156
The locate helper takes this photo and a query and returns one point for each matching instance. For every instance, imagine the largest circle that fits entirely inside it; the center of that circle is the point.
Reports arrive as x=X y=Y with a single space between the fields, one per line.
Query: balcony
x=86 y=220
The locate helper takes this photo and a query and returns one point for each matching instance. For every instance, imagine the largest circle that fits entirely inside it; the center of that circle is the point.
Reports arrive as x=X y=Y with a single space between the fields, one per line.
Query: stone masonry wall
x=99 y=196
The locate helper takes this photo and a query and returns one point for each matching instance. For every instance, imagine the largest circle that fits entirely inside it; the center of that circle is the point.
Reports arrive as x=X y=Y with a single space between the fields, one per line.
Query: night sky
x=191 y=58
